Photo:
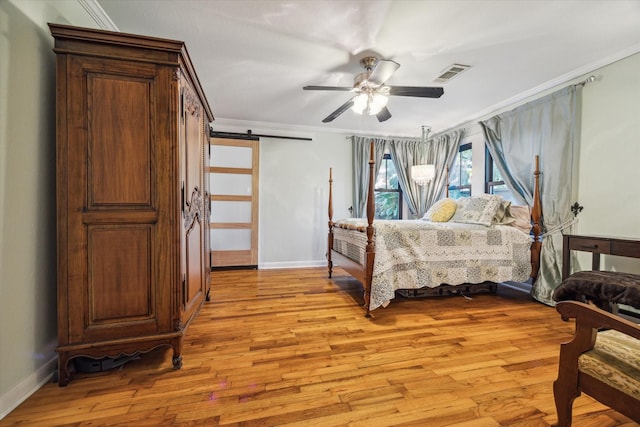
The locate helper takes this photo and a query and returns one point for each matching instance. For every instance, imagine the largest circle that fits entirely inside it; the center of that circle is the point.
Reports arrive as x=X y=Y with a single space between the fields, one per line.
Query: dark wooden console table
x=597 y=245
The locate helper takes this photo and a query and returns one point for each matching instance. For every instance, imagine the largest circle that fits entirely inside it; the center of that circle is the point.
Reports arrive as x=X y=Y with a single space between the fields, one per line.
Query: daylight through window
x=494 y=183
x=387 y=191
x=460 y=173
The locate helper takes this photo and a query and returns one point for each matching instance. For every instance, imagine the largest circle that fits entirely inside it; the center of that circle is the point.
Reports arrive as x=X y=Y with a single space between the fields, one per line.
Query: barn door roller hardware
x=251 y=136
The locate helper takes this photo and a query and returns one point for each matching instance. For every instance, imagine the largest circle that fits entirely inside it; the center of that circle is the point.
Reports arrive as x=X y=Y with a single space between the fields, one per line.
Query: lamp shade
x=423 y=174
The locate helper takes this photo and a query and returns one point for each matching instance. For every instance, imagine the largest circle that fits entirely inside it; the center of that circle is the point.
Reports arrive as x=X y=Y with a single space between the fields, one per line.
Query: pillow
x=441 y=211
x=522 y=215
x=503 y=214
x=477 y=210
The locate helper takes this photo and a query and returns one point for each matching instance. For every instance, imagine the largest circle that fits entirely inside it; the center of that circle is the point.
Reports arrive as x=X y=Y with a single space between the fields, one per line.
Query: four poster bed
x=422 y=258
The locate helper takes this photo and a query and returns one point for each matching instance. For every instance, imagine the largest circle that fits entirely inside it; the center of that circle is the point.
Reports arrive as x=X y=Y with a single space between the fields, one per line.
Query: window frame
x=463 y=147
x=490 y=186
x=387 y=158
x=489 y=168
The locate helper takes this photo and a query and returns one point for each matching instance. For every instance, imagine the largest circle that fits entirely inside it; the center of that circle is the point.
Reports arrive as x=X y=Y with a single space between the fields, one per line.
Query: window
x=494 y=183
x=387 y=191
x=460 y=173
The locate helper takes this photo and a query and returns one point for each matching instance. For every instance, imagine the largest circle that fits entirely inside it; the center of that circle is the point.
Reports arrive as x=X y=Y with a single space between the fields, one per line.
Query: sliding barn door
x=234 y=202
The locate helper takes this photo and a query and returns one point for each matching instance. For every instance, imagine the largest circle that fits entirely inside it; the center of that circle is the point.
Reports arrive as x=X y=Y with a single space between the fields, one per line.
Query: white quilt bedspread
x=416 y=254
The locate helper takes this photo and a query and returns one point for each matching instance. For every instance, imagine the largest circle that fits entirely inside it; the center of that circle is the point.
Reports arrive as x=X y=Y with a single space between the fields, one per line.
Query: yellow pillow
x=441 y=211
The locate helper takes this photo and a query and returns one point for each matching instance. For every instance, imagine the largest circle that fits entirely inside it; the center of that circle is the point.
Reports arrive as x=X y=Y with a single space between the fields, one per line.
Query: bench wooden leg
x=565 y=391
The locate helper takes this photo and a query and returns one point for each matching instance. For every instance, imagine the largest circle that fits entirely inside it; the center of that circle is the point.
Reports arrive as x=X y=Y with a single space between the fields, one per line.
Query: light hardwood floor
x=292 y=348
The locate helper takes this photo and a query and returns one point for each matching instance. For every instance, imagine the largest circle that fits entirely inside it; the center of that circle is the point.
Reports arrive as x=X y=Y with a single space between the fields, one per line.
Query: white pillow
x=522 y=216
x=477 y=209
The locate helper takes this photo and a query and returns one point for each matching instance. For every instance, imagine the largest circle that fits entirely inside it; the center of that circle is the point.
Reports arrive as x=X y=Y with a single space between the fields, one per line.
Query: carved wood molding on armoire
x=132 y=198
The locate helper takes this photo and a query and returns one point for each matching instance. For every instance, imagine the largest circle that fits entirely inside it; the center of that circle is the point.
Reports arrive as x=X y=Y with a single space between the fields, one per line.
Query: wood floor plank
x=293 y=348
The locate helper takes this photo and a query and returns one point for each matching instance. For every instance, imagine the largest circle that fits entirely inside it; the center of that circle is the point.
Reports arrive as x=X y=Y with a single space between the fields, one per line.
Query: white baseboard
x=18 y=394
x=292 y=264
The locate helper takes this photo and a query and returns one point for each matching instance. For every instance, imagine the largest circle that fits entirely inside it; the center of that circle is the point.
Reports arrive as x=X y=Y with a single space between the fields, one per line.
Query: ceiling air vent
x=451 y=72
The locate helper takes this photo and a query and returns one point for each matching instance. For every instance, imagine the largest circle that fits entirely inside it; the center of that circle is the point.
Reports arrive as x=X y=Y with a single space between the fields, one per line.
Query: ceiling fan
x=370 y=92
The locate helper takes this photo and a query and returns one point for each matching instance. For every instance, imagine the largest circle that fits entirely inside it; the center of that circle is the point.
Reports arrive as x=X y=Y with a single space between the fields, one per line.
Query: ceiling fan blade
x=383 y=115
x=423 y=92
x=344 y=88
x=382 y=71
x=344 y=107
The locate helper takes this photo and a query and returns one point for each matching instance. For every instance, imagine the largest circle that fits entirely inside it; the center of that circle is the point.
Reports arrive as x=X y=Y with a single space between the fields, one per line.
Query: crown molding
x=566 y=79
x=98 y=14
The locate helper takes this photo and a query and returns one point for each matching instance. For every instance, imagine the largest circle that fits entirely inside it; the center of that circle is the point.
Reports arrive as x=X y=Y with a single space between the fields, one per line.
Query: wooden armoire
x=132 y=199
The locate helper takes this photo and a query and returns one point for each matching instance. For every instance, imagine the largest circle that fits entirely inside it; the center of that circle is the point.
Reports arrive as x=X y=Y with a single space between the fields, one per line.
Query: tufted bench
x=606 y=289
x=602 y=360
x=614 y=360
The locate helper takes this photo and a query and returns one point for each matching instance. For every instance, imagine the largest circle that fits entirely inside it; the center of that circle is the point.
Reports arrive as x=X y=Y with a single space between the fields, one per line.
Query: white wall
x=609 y=174
x=28 y=333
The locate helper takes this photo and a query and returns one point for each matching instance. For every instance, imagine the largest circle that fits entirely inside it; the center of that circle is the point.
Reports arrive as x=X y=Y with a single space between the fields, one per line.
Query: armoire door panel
x=119 y=139
x=195 y=210
x=120 y=274
x=120 y=286
x=195 y=273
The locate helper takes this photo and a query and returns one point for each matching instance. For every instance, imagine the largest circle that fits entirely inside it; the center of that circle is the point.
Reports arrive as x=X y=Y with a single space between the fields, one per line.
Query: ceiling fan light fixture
x=370 y=91
x=369 y=103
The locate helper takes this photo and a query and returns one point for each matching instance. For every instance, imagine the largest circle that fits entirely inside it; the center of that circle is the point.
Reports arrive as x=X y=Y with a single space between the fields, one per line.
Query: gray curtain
x=360 y=156
x=546 y=127
x=441 y=151
x=404 y=154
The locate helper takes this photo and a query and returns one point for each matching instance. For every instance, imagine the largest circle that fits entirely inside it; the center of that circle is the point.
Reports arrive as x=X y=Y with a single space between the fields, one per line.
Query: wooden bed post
x=536 y=219
x=330 y=237
x=363 y=273
x=371 y=246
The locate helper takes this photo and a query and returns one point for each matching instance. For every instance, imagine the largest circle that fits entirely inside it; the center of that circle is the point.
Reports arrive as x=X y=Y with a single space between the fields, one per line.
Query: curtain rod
x=426 y=130
x=251 y=136
x=586 y=81
x=417 y=138
x=462 y=126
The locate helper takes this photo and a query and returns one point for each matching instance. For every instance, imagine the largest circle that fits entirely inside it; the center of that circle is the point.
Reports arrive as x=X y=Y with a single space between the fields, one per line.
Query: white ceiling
x=254 y=56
